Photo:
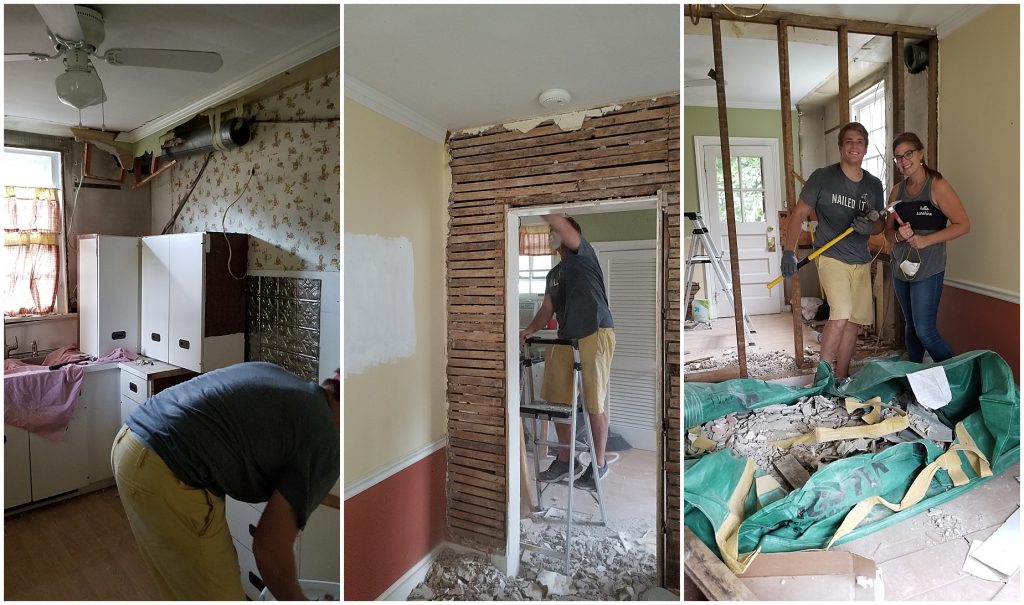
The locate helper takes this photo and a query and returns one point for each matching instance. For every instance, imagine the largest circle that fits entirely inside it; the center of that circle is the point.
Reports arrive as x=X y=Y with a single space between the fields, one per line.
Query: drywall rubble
x=950 y=526
x=758 y=364
x=751 y=434
x=607 y=564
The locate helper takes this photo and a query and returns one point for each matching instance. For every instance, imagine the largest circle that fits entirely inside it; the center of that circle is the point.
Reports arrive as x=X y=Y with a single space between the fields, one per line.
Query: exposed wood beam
x=713 y=577
x=933 y=102
x=730 y=213
x=787 y=155
x=844 y=76
x=898 y=85
x=855 y=26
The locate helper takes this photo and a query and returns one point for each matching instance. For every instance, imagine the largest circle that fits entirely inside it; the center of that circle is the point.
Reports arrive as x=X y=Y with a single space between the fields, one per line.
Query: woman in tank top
x=932 y=214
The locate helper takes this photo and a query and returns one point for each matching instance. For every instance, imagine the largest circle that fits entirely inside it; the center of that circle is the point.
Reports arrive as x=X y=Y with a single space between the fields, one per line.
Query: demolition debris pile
x=752 y=434
x=771 y=363
x=606 y=565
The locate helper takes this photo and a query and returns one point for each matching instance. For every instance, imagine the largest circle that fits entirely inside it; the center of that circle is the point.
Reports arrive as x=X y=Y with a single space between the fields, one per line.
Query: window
x=533 y=271
x=33 y=229
x=747 y=189
x=868 y=108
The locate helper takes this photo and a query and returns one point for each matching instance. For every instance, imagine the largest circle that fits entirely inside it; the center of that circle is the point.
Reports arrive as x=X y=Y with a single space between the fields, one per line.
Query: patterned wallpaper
x=292 y=207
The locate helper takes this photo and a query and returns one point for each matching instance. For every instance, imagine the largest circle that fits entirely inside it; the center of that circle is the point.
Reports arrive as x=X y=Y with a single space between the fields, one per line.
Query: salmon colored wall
x=970 y=321
x=391 y=526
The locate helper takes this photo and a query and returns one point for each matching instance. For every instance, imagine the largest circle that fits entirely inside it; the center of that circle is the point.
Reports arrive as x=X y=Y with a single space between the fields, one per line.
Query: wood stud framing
x=898 y=88
x=629 y=152
x=787 y=154
x=844 y=76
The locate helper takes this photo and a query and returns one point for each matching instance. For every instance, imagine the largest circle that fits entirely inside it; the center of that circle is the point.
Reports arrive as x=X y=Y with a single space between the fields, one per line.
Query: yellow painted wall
x=979 y=145
x=395 y=186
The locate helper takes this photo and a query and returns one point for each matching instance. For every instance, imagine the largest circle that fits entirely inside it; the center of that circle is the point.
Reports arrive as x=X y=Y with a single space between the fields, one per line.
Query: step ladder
x=542 y=411
x=711 y=256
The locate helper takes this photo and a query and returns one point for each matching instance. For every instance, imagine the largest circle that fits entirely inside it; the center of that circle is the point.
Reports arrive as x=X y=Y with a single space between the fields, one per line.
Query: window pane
x=538 y=286
x=751 y=170
x=524 y=263
x=753 y=206
x=721 y=207
x=542 y=262
x=719 y=174
x=524 y=286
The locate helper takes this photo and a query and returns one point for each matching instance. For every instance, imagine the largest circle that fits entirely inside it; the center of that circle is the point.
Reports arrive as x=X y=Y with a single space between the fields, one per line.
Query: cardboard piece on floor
x=978 y=569
x=813 y=575
x=1001 y=551
x=931 y=388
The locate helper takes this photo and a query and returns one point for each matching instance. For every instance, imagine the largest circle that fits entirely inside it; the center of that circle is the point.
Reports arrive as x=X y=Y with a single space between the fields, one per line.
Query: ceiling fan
x=77 y=32
x=708 y=81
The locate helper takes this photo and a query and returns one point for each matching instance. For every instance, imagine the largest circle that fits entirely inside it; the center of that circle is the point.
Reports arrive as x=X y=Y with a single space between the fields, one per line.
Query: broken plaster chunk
x=555 y=583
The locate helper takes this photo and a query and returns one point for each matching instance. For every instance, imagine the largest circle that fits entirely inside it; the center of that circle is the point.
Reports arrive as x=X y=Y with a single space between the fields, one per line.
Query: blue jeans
x=920 y=303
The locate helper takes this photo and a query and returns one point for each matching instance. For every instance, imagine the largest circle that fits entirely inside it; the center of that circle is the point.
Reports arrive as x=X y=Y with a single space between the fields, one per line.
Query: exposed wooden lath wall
x=630 y=152
x=672 y=365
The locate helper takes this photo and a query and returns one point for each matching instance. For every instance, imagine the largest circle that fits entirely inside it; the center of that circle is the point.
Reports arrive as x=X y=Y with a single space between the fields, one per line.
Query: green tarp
x=985 y=399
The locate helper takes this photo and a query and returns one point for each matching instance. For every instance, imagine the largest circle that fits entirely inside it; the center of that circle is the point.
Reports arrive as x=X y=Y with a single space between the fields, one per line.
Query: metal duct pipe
x=232 y=133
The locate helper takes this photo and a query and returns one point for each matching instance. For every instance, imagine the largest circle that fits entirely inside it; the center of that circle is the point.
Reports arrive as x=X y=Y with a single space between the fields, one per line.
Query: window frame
x=531 y=272
x=876 y=93
x=62 y=307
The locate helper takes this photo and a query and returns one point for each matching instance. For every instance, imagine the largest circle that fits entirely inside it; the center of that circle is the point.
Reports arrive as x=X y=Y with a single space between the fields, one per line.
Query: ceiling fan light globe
x=79 y=88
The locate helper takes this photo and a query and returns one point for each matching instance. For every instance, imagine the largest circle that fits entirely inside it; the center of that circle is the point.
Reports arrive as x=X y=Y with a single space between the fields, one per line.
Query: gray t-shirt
x=245 y=431
x=925 y=217
x=576 y=287
x=837 y=201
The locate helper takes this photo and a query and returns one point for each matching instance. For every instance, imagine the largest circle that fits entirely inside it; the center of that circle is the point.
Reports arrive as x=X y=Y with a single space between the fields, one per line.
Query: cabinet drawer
x=252 y=583
x=242 y=520
x=133 y=387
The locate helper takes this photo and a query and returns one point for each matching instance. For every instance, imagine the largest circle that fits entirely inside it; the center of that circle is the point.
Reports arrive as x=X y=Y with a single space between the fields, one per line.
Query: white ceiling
x=459 y=66
x=256 y=42
x=750 y=52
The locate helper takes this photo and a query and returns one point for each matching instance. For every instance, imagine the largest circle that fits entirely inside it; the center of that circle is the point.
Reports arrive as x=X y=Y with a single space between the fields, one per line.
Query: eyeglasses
x=905 y=157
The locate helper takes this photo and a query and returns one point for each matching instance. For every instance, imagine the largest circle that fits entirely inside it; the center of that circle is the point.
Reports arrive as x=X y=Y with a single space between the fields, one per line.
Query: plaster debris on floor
x=758 y=364
x=607 y=563
x=751 y=434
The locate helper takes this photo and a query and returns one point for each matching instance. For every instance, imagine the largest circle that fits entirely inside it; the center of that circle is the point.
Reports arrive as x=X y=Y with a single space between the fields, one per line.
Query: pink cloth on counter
x=118 y=354
x=64 y=354
x=41 y=400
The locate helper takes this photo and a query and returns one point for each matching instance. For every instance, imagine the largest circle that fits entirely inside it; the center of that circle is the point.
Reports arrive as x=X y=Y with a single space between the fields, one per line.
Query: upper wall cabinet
x=108 y=293
x=193 y=302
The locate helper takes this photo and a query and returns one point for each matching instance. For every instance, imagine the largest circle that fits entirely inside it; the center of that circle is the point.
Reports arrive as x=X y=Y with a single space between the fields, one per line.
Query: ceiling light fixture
x=554 y=97
x=79 y=86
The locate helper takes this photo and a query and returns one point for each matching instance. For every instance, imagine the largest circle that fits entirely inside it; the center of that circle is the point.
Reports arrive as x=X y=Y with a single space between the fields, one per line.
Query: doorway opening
x=626 y=236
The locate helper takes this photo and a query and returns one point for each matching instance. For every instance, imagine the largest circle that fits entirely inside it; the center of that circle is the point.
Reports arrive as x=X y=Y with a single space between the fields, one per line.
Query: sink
x=36 y=361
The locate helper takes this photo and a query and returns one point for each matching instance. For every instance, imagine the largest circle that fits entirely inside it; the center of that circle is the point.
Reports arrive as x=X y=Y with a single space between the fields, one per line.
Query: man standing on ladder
x=575 y=294
x=842 y=195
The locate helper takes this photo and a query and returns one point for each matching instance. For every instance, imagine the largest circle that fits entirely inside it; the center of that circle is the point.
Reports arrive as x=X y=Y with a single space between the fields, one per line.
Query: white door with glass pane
x=755 y=183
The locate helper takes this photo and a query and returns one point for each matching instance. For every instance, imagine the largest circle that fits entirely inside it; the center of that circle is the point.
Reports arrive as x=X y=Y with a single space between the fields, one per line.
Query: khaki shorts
x=848 y=290
x=596 y=353
x=181 y=530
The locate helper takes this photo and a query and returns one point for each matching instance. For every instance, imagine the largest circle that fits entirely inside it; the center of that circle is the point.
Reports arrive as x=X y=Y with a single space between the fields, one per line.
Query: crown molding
x=280 y=65
x=964 y=16
x=388 y=107
x=33 y=126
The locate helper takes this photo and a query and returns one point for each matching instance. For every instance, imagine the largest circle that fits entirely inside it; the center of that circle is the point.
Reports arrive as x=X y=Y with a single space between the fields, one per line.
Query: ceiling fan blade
x=187 y=60
x=62 y=19
x=26 y=57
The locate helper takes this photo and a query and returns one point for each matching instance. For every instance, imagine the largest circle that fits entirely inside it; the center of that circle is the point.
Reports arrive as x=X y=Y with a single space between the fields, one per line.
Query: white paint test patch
x=380 y=317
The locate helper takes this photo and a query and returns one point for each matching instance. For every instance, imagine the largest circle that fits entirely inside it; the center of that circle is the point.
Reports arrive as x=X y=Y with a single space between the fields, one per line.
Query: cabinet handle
x=256 y=581
x=155 y=337
x=132 y=387
x=183 y=343
x=252 y=528
x=120 y=335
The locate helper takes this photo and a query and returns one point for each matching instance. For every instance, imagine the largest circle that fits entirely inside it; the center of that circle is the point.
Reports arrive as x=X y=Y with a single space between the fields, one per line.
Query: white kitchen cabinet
x=61 y=466
x=320 y=546
x=17 y=473
x=156 y=258
x=139 y=382
x=193 y=309
x=103 y=417
x=108 y=293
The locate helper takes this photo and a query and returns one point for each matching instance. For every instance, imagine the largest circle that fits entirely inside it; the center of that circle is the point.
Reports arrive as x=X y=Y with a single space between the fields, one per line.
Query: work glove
x=788 y=263
x=863 y=225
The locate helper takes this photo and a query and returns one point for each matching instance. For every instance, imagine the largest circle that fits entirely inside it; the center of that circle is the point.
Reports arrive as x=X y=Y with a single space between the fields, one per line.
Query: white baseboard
x=399 y=591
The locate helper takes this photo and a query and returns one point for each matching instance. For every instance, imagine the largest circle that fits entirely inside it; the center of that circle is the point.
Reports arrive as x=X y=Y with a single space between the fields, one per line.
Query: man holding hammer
x=843 y=196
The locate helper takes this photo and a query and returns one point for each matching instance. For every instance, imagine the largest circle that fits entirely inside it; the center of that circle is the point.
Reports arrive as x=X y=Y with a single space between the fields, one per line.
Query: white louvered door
x=630 y=278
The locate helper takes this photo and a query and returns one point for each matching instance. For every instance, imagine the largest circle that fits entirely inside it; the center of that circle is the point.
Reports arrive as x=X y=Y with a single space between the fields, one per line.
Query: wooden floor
x=773 y=333
x=78 y=549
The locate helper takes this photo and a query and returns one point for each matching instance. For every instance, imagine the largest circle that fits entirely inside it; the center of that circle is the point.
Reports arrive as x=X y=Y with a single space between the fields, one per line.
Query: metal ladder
x=540 y=411
x=713 y=257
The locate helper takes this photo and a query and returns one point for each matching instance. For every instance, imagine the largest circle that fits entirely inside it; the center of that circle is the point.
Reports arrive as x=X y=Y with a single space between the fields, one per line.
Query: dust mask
x=909 y=268
x=554 y=240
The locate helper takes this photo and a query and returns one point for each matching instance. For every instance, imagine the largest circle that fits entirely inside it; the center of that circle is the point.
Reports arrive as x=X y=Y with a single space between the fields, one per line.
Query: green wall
x=703 y=121
x=619 y=226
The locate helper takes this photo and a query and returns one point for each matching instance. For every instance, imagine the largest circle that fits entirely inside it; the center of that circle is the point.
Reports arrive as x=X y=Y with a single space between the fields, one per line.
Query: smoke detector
x=554 y=97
